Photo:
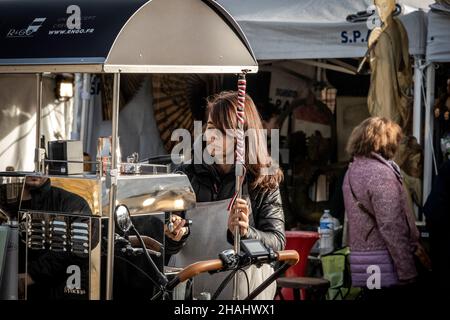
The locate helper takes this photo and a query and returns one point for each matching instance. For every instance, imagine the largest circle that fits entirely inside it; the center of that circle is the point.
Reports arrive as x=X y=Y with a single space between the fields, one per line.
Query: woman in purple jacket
x=382 y=232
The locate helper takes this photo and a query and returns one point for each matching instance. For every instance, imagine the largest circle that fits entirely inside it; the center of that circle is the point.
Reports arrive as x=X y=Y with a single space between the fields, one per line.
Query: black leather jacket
x=267 y=218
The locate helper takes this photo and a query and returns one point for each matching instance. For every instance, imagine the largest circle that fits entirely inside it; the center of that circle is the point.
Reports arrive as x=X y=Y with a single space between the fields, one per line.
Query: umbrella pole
x=240 y=161
x=237 y=245
x=113 y=172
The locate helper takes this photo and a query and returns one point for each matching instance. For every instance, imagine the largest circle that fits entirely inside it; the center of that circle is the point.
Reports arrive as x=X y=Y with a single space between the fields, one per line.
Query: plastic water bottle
x=204 y=296
x=326 y=231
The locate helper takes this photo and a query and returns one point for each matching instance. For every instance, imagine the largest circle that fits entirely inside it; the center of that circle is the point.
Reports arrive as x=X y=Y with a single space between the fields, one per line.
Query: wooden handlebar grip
x=199 y=267
x=289 y=256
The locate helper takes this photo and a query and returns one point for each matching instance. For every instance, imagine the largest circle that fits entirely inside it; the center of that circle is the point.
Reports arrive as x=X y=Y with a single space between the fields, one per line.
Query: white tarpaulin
x=438 y=46
x=18 y=119
x=308 y=29
x=138 y=131
x=137 y=126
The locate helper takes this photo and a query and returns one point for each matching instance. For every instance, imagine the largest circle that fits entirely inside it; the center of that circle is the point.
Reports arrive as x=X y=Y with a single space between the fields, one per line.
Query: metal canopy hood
x=130 y=36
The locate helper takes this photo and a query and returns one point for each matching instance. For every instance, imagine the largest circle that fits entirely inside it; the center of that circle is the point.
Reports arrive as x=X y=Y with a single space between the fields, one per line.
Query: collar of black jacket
x=217 y=176
x=213 y=172
x=39 y=195
x=46 y=187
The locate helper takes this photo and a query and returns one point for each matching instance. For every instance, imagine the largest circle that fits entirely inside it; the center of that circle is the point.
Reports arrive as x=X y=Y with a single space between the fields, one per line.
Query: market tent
x=168 y=36
x=311 y=29
x=438 y=42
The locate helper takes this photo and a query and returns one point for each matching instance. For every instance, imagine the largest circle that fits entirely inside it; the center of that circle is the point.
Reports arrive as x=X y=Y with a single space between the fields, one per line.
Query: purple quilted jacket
x=389 y=237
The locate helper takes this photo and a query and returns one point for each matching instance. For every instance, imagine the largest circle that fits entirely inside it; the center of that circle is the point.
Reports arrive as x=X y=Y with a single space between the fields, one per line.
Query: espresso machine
x=62 y=221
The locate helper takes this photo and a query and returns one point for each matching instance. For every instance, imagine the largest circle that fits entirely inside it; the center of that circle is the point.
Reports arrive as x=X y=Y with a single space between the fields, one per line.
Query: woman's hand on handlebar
x=239 y=216
x=178 y=230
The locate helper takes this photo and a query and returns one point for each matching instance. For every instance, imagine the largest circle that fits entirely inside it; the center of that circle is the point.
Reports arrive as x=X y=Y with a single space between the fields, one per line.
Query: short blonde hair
x=376 y=134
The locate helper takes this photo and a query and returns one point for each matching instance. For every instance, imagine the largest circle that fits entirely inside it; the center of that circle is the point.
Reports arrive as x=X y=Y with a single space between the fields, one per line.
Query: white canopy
x=308 y=29
x=438 y=42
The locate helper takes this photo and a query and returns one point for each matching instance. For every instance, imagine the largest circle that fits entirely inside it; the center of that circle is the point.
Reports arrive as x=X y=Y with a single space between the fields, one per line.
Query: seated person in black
x=48 y=270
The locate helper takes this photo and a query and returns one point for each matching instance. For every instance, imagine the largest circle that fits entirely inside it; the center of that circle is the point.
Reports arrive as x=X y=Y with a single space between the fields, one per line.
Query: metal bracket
x=39 y=157
x=111 y=178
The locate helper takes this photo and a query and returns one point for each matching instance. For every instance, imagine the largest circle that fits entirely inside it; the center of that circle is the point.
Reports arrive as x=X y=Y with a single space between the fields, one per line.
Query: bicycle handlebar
x=195 y=269
x=291 y=257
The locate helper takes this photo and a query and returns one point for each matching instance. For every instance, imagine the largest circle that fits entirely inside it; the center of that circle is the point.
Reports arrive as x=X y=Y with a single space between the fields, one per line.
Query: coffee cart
x=114 y=36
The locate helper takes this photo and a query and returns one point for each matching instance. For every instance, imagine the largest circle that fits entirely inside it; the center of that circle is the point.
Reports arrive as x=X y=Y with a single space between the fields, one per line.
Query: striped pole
x=240 y=162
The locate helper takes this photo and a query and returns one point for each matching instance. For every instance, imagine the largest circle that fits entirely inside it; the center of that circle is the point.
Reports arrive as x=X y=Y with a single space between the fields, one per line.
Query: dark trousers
x=440 y=258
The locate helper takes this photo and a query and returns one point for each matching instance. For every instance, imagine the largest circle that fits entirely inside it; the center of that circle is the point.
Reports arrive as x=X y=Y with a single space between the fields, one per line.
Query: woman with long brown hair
x=259 y=213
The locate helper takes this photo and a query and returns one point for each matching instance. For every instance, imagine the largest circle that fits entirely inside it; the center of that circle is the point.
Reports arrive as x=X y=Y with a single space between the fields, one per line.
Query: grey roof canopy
x=438 y=46
x=135 y=36
x=307 y=29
